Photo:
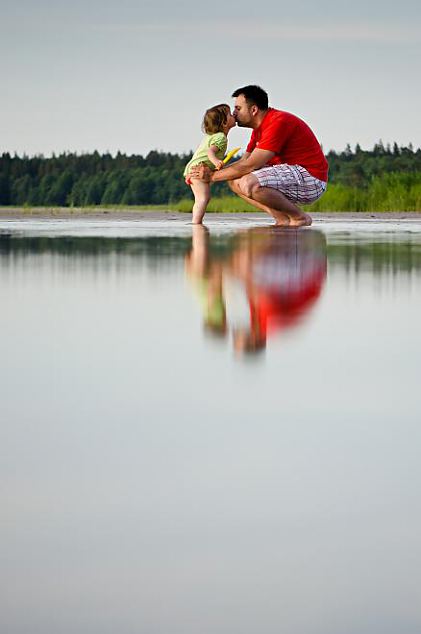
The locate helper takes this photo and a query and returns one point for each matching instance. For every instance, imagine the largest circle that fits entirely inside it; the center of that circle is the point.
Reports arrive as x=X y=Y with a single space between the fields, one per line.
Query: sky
x=137 y=76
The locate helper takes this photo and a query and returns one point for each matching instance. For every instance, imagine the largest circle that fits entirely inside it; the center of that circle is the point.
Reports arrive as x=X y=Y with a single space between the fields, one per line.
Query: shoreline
x=163 y=214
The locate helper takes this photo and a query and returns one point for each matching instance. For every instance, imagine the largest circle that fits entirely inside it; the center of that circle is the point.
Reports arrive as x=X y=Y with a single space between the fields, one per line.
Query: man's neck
x=257 y=122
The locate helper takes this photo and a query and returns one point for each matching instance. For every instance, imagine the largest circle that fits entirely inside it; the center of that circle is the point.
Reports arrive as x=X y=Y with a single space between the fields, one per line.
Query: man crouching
x=283 y=163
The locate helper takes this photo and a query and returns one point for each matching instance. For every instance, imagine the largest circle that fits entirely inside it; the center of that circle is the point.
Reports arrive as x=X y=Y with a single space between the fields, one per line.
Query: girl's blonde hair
x=215 y=118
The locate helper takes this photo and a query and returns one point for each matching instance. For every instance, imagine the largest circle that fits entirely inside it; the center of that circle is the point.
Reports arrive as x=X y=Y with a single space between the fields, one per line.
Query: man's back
x=292 y=140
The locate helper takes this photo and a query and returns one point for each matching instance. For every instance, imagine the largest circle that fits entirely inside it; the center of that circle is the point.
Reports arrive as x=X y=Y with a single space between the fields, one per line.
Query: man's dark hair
x=254 y=95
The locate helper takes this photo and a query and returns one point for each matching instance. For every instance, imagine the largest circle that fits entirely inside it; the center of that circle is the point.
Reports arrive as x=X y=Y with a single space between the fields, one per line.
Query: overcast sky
x=134 y=76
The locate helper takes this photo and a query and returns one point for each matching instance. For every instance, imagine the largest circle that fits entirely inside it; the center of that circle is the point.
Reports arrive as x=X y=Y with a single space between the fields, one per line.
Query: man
x=283 y=164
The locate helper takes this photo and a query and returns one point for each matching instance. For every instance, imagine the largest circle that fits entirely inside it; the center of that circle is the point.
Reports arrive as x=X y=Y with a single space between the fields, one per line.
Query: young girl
x=217 y=122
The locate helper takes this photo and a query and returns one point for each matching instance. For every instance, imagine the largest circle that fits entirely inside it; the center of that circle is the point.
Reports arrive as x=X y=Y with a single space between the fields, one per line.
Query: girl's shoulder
x=217 y=135
x=218 y=138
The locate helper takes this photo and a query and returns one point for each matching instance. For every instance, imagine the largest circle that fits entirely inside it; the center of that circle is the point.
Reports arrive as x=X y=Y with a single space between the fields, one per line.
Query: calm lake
x=210 y=430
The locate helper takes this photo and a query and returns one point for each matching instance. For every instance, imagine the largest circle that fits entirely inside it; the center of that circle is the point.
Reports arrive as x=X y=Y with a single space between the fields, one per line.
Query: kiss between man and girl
x=283 y=164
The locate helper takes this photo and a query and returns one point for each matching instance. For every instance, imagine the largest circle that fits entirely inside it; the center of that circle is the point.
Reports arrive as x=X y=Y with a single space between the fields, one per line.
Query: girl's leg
x=201 y=191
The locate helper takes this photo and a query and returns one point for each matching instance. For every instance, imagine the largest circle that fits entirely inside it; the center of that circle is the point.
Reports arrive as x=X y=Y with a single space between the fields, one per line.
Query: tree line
x=70 y=179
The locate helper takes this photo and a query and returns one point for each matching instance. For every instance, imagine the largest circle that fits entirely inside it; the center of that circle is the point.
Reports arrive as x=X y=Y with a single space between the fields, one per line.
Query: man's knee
x=248 y=185
x=233 y=185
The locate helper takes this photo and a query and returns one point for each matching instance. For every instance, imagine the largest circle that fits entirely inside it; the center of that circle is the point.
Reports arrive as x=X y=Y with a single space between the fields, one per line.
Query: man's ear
x=254 y=110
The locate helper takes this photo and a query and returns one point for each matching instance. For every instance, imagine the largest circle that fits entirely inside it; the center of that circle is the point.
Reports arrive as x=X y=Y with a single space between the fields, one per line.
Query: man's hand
x=201 y=172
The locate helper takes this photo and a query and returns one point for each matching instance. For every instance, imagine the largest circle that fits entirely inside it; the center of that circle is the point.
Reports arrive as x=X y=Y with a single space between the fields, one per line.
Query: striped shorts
x=293 y=181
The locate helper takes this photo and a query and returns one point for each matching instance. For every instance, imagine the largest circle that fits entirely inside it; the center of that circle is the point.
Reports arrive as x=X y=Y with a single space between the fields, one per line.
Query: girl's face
x=230 y=121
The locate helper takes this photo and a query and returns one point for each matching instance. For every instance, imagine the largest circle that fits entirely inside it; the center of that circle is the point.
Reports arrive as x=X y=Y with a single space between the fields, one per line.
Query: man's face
x=243 y=112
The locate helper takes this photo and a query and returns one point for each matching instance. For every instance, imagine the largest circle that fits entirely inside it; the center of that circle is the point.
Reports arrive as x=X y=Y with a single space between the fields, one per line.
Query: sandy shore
x=162 y=215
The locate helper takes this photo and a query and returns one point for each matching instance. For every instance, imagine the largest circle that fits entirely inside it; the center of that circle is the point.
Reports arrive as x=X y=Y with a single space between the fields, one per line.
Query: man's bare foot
x=304 y=220
x=281 y=219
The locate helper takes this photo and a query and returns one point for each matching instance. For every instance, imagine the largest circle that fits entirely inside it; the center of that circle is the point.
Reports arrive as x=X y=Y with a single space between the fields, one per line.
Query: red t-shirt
x=292 y=141
x=276 y=311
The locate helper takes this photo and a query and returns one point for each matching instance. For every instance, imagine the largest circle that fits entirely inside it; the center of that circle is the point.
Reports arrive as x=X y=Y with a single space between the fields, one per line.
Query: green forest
x=386 y=177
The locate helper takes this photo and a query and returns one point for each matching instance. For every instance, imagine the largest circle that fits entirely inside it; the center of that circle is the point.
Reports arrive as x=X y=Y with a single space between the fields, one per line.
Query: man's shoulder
x=281 y=115
x=278 y=119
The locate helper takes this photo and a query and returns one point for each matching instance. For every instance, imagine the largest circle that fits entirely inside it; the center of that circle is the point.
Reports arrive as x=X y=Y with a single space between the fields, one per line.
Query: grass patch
x=223 y=204
x=388 y=192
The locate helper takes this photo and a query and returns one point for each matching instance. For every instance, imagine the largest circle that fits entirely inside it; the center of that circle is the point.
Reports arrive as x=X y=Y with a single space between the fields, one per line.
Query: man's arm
x=242 y=158
x=254 y=161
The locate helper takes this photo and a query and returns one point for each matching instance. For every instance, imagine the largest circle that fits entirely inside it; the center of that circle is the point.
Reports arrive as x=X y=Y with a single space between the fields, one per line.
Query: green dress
x=201 y=155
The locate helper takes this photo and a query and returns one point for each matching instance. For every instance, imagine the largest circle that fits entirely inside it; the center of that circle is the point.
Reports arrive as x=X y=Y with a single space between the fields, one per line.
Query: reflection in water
x=94 y=253
x=267 y=282
x=373 y=252
x=391 y=254
x=150 y=484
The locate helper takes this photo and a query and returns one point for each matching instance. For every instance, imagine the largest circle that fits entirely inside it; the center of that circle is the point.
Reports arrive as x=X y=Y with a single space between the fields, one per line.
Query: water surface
x=212 y=431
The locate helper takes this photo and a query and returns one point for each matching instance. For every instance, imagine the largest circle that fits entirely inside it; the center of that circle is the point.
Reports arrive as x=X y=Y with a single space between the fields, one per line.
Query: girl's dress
x=218 y=139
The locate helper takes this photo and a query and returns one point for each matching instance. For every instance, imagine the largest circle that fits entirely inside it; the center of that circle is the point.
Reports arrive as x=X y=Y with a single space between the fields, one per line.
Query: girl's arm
x=213 y=158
